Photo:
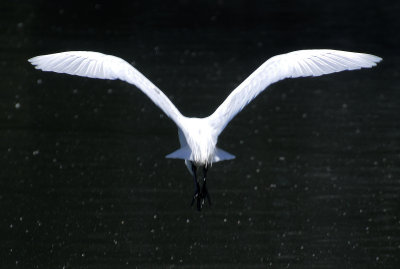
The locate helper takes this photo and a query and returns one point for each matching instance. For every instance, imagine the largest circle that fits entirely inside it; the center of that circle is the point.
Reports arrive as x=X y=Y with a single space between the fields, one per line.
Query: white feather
x=300 y=63
x=198 y=137
x=97 y=65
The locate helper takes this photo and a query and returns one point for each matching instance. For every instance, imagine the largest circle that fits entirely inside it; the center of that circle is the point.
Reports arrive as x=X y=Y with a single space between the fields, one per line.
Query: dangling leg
x=204 y=191
x=196 y=187
x=200 y=194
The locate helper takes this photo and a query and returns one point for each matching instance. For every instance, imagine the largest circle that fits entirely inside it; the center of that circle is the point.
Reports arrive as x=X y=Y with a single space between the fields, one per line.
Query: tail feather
x=182 y=153
x=222 y=155
x=186 y=154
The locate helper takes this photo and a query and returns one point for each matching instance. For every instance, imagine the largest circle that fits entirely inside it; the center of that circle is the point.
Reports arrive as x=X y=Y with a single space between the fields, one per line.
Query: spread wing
x=98 y=65
x=300 y=63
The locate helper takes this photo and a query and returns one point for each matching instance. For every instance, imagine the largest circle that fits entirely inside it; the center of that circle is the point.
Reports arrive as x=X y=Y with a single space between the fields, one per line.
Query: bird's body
x=198 y=136
x=201 y=140
x=198 y=139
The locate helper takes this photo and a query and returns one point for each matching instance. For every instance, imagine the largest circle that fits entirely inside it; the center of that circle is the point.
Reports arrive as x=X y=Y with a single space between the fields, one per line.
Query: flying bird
x=198 y=136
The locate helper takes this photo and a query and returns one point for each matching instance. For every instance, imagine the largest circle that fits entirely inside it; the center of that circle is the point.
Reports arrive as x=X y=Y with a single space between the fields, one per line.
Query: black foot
x=200 y=195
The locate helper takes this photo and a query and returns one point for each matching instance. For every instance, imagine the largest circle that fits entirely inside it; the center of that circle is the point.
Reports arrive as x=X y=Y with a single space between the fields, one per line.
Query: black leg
x=200 y=194
x=196 y=183
x=204 y=190
x=196 y=188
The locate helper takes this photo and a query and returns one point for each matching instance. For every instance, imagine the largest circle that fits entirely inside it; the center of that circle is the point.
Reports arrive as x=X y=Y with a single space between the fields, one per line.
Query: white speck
x=187 y=220
x=17 y=105
x=35 y=152
x=282 y=158
x=39 y=81
x=155 y=216
x=255 y=188
x=109 y=91
x=225 y=220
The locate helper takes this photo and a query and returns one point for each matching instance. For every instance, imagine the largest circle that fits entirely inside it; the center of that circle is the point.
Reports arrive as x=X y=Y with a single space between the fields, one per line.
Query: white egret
x=198 y=136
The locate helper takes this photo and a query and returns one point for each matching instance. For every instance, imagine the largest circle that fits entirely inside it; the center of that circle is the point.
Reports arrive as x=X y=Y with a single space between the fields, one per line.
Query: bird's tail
x=222 y=155
x=186 y=154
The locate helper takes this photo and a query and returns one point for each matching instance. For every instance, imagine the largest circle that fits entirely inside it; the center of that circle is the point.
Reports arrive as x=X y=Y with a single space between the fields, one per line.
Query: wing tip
x=376 y=59
x=33 y=60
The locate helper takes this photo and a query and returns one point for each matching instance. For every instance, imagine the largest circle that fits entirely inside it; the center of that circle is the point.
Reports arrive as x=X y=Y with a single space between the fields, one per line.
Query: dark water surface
x=84 y=182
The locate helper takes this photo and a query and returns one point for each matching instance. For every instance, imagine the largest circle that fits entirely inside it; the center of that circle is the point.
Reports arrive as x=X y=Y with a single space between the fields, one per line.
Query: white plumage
x=198 y=136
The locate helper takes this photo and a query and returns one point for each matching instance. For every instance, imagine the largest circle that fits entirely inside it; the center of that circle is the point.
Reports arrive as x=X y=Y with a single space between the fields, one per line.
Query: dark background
x=84 y=182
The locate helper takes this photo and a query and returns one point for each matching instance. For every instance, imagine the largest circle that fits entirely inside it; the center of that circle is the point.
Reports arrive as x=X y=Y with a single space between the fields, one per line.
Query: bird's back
x=198 y=143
